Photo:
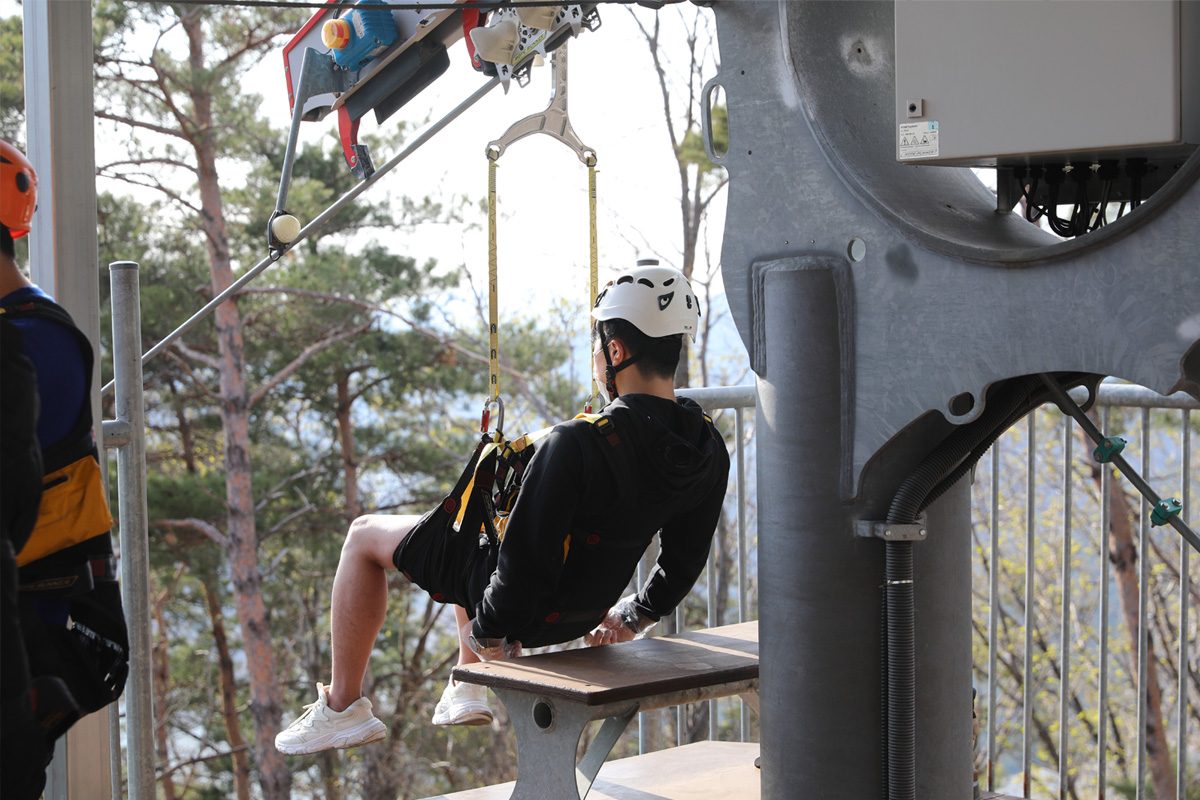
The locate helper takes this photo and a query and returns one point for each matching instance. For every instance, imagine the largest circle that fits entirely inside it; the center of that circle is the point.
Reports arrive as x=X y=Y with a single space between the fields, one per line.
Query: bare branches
x=307 y=353
x=188 y=370
x=276 y=491
x=418 y=328
x=198 y=525
x=138 y=162
x=142 y=125
x=148 y=181
x=168 y=771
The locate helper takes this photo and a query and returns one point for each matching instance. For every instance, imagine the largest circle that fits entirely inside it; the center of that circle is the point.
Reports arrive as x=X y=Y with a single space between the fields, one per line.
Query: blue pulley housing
x=372 y=30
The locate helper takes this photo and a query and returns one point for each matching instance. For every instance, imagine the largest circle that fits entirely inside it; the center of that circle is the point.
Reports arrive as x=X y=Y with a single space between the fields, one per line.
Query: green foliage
x=12 y=81
x=692 y=151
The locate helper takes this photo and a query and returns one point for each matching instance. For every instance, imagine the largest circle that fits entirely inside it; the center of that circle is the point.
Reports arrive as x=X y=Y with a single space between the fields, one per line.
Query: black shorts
x=449 y=564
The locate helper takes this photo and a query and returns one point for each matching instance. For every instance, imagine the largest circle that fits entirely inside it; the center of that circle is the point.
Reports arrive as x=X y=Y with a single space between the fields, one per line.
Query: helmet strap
x=610 y=372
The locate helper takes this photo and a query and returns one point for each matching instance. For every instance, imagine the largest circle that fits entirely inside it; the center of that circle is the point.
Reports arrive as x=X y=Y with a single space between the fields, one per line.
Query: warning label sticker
x=918 y=139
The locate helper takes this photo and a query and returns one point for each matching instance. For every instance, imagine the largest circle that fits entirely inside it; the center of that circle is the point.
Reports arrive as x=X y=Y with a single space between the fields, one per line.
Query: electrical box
x=1057 y=82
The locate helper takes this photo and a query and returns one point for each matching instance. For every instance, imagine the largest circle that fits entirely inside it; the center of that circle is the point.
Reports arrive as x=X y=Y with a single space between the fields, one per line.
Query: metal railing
x=1056 y=640
x=127 y=434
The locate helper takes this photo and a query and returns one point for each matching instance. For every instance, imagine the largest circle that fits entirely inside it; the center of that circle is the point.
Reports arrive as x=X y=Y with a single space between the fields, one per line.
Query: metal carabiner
x=486 y=418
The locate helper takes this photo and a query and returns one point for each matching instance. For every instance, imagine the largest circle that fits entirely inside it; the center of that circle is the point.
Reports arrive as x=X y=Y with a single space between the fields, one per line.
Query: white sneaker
x=321 y=728
x=463 y=704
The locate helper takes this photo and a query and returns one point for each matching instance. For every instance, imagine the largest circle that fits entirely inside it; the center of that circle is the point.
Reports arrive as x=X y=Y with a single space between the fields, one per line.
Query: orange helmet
x=18 y=190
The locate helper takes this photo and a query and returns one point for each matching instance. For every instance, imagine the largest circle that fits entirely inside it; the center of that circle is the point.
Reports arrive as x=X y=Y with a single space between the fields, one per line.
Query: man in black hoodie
x=591 y=501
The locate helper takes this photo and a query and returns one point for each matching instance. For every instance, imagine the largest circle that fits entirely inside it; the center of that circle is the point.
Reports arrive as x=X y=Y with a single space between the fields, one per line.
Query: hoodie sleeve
x=686 y=542
x=530 y=561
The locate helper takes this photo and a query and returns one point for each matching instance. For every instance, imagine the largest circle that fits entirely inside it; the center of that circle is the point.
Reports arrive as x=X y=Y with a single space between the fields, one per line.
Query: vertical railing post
x=993 y=618
x=711 y=574
x=1030 y=528
x=740 y=465
x=1064 y=700
x=1185 y=582
x=1102 y=704
x=132 y=516
x=1143 y=653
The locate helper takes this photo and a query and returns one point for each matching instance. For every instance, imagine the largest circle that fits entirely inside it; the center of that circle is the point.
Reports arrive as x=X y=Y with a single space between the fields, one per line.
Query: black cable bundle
x=1107 y=173
x=1135 y=168
x=1055 y=177
x=1033 y=212
x=1081 y=212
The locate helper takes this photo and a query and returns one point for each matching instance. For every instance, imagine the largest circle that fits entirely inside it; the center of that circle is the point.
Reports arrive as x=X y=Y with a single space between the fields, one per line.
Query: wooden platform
x=596 y=676
x=700 y=771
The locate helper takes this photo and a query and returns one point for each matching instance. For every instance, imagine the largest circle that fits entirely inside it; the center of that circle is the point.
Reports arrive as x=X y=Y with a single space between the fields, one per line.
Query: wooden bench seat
x=551 y=697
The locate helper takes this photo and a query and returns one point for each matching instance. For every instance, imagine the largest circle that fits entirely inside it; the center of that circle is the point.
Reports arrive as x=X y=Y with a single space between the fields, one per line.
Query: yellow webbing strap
x=493 y=155
x=595 y=254
x=493 y=315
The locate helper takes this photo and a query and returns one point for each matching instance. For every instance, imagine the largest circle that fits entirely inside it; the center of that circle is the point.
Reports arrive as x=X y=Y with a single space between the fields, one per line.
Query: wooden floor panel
x=700 y=771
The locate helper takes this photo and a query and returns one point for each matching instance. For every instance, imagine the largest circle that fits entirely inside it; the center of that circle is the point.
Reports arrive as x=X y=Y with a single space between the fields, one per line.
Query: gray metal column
x=942 y=584
x=63 y=261
x=819 y=585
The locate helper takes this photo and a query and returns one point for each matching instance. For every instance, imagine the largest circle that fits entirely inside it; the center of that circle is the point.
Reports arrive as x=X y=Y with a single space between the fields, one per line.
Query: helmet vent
x=664 y=300
x=646 y=282
x=624 y=279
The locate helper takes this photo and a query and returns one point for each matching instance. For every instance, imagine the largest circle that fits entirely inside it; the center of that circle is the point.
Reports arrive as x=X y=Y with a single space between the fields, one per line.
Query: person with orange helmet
x=66 y=649
x=18 y=195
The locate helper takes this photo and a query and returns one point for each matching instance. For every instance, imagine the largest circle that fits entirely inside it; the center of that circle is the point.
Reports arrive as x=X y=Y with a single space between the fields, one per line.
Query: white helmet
x=658 y=301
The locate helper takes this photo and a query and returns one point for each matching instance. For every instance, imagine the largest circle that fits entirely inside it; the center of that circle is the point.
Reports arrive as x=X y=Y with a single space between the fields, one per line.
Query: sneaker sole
x=367 y=733
x=469 y=718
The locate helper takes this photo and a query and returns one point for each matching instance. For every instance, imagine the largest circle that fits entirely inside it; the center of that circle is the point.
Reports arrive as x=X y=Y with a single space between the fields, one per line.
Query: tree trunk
x=274 y=776
x=1124 y=555
x=346 y=439
x=162 y=682
x=185 y=431
x=233 y=731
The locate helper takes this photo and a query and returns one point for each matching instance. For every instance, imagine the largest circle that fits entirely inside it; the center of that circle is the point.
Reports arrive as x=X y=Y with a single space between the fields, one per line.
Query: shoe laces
x=309 y=718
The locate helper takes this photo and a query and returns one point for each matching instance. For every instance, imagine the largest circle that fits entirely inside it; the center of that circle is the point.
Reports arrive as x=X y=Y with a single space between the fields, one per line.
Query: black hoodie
x=588 y=508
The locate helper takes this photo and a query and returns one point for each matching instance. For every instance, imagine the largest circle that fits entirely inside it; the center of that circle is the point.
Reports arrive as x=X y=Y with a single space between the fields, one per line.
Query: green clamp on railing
x=1109 y=446
x=1162 y=513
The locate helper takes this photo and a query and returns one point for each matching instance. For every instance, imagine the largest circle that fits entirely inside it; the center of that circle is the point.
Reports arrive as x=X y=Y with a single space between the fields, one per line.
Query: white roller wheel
x=286 y=228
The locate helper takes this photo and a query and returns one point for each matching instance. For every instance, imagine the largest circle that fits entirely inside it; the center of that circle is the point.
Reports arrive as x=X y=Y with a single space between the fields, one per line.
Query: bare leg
x=465 y=654
x=360 y=600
